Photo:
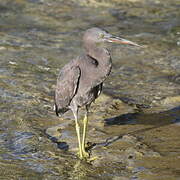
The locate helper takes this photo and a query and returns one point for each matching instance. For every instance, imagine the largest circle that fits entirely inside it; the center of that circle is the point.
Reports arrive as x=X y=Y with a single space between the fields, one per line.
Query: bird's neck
x=101 y=54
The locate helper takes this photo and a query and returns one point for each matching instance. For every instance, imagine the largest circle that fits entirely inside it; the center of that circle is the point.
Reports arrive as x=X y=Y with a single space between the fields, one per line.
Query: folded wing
x=66 y=88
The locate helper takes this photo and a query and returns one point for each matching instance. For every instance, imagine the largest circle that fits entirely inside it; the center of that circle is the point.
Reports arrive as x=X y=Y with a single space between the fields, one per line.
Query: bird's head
x=98 y=36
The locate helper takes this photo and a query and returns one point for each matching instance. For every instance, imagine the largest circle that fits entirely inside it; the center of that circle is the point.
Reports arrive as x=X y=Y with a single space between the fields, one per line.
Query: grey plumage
x=80 y=81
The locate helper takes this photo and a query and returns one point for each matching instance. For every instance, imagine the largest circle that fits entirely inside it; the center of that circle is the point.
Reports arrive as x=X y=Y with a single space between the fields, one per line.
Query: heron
x=80 y=81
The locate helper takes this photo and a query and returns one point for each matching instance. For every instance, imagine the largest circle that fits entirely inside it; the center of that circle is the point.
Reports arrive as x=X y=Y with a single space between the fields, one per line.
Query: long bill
x=119 y=40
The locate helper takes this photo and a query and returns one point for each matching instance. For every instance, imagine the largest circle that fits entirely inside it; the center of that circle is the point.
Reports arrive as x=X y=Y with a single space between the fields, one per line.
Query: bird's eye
x=101 y=35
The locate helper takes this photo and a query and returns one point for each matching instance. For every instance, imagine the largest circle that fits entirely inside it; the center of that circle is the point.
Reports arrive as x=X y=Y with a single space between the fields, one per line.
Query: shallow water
x=134 y=123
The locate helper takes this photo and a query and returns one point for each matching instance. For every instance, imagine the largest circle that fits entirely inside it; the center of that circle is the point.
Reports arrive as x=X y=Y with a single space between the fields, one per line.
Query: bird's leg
x=85 y=123
x=75 y=112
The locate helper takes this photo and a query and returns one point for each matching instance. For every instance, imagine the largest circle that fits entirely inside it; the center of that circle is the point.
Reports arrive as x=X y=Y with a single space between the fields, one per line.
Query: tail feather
x=56 y=109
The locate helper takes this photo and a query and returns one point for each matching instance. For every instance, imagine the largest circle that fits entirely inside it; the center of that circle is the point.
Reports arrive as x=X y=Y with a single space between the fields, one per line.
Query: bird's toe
x=86 y=154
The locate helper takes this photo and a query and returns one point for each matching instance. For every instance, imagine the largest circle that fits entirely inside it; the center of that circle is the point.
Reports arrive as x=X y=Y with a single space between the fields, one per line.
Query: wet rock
x=171 y=101
x=110 y=105
x=165 y=104
x=54 y=132
x=120 y=178
x=129 y=118
x=2 y=48
x=104 y=3
x=127 y=150
x=37 y=167
x=119 y=14
x=37 y=38
x=129 y=138
x=23 y=142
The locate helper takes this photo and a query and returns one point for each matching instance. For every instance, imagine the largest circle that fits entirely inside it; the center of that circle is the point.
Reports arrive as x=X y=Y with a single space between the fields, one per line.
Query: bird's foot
x=86 y=154
x=80 y=155
x=90 y=160
x=86 y=157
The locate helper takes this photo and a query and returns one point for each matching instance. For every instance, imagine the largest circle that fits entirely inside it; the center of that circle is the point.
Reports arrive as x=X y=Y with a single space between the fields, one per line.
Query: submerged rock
x=22 y=142
x=171 y=101
x=54 y=132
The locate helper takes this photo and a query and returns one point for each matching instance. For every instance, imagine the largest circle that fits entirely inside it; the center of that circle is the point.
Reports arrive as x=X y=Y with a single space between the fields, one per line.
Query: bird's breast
x=93 y=72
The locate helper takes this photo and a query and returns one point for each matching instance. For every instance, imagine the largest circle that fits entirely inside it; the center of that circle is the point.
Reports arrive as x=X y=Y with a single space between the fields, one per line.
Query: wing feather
x=66 y=88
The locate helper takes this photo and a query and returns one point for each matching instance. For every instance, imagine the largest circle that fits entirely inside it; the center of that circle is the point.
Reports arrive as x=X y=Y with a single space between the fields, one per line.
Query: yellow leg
x=79 y=139
x=78 y=134
x=85 y=123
